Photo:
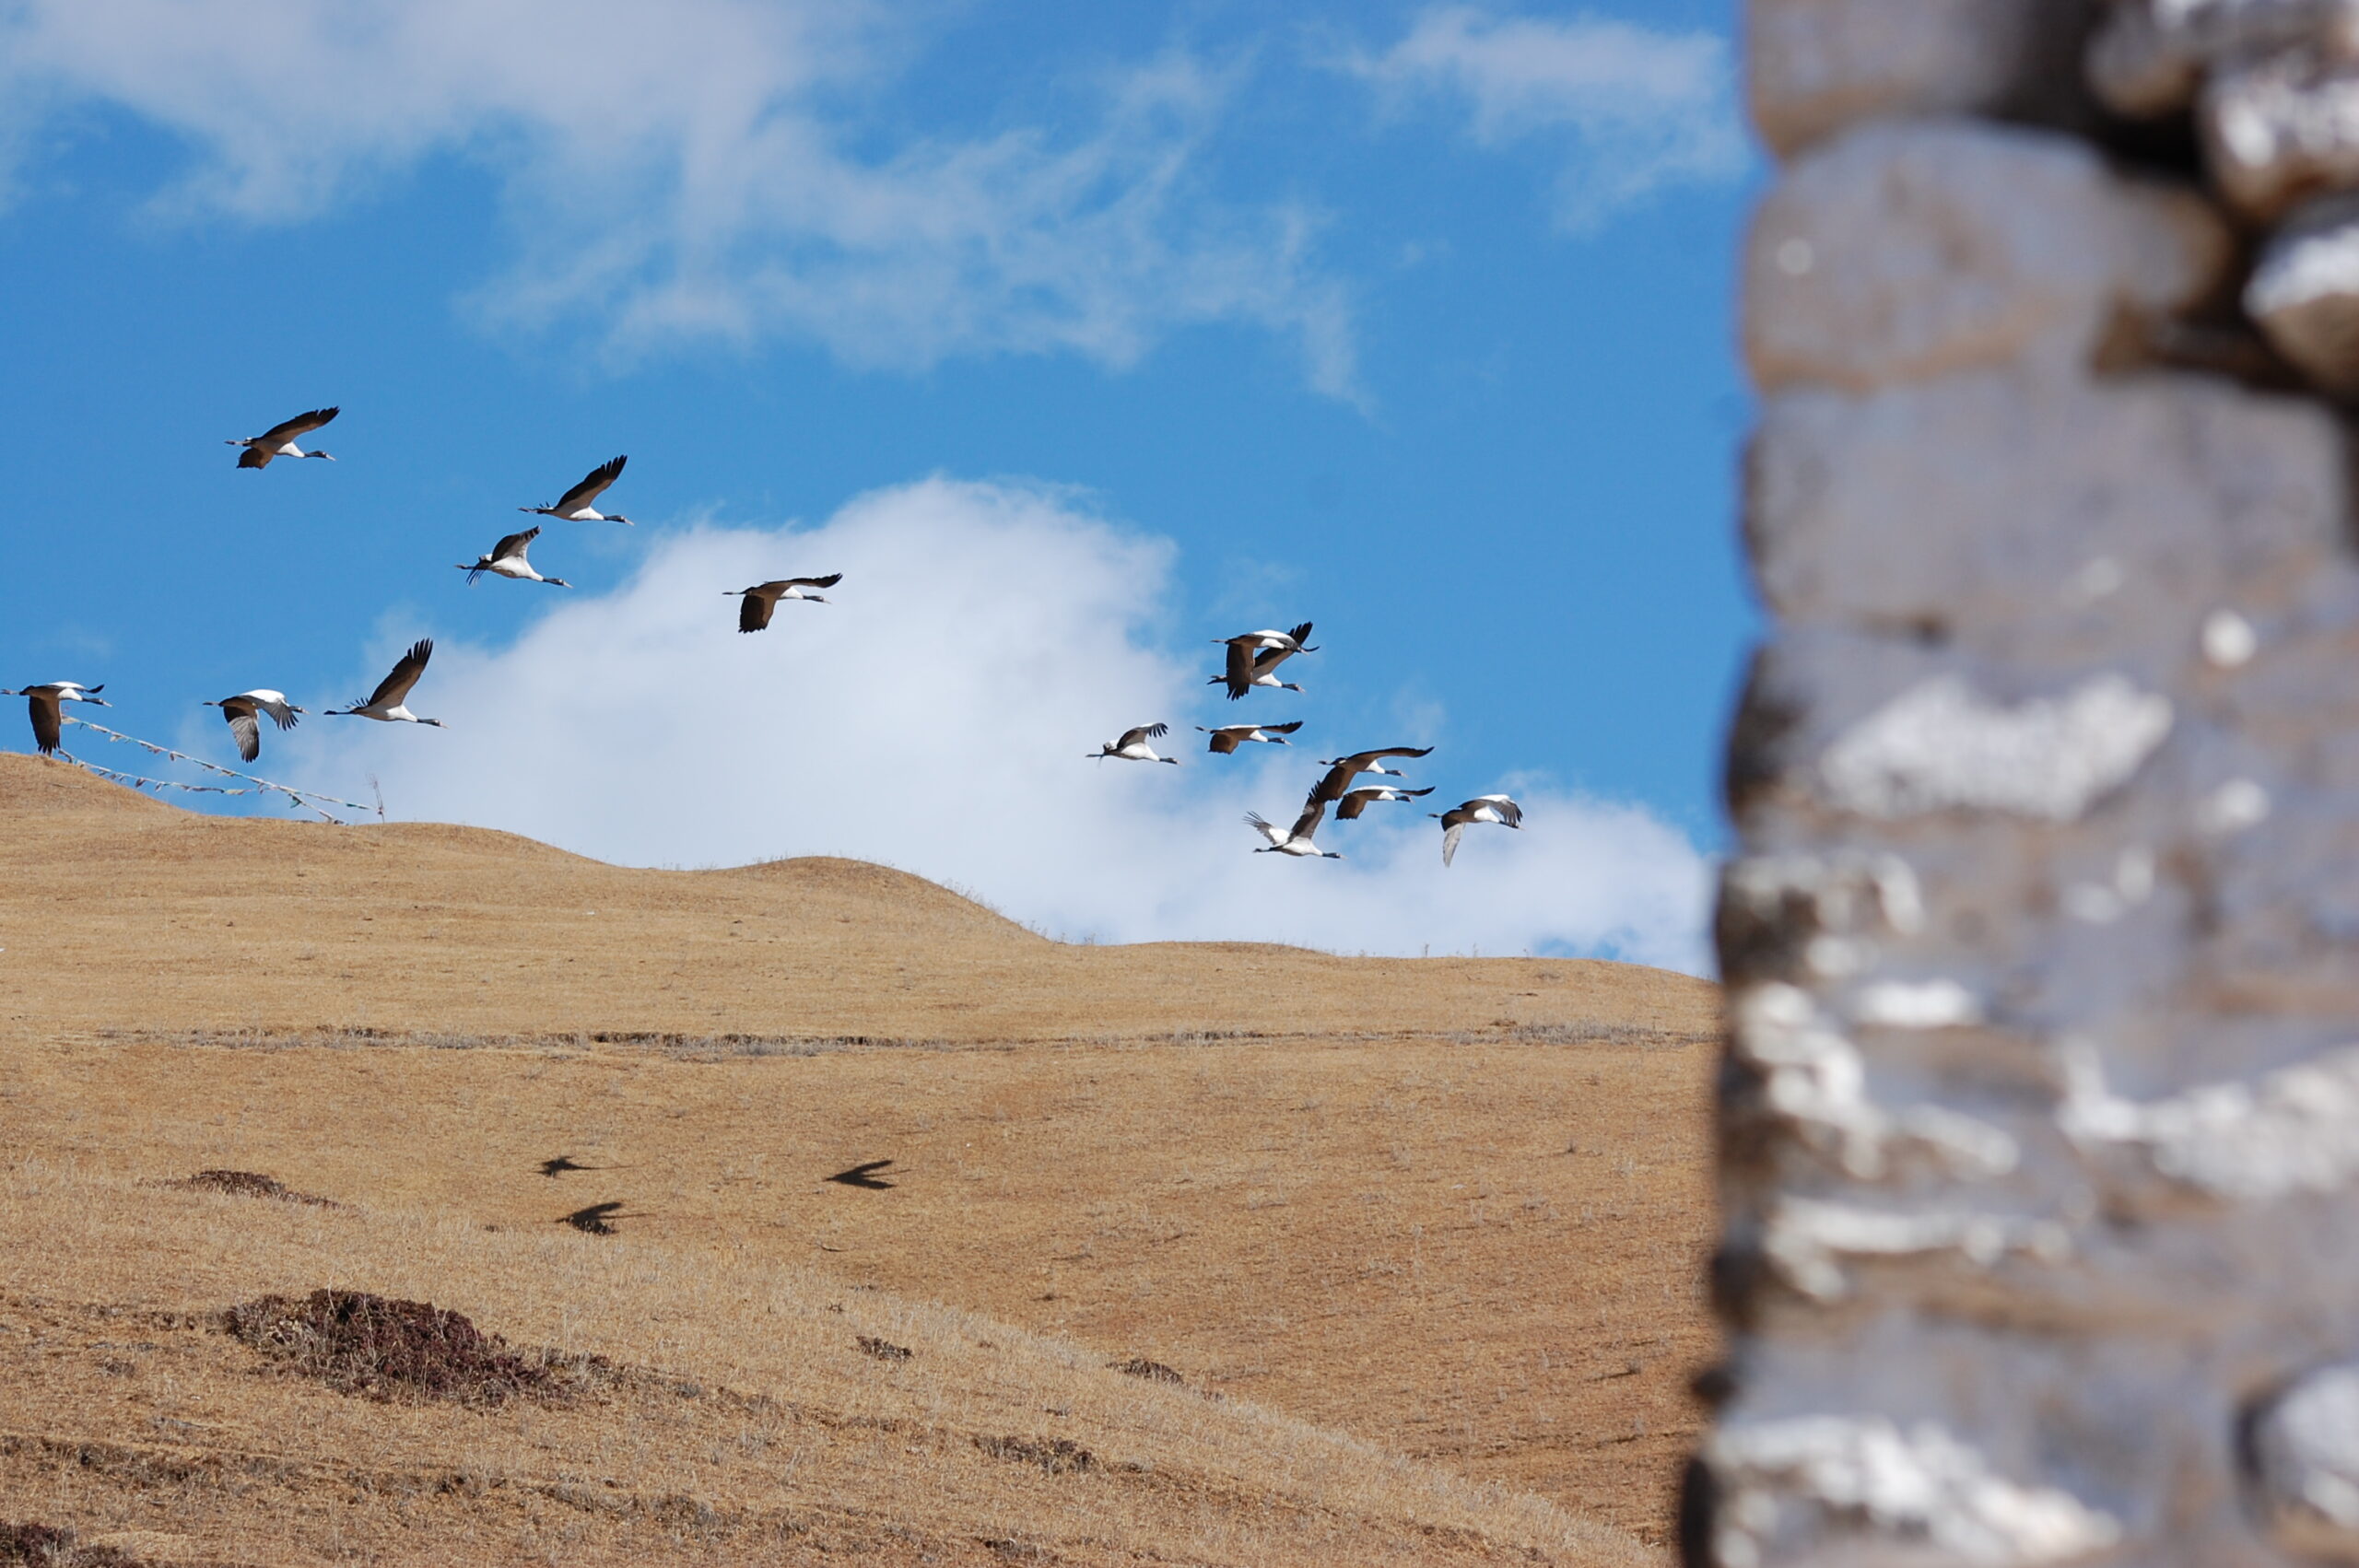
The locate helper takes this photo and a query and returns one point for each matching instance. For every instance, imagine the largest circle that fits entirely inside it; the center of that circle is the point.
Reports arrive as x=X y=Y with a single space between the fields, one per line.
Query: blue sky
x=1412 y=319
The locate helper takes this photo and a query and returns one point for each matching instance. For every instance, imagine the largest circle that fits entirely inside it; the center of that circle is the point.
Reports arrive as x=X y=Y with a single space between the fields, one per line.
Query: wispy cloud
x=1639 y=109
x=935 y=715
x=704 y=168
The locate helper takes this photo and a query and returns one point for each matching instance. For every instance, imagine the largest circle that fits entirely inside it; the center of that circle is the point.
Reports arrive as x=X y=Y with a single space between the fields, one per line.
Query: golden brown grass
x=1422 y=1238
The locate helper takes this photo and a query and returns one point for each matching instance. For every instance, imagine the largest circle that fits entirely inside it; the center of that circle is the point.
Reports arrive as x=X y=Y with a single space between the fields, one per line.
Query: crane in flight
x=280 y=438
x=242 y=713
x=575 y=506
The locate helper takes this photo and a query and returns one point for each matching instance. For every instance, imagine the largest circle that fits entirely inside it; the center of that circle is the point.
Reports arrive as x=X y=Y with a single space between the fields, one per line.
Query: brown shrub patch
x=1153 y=1370
x=1058 y=1456
x=251 y=1184
x=358 y=1344
x=883 y=1350
x=48 y=1546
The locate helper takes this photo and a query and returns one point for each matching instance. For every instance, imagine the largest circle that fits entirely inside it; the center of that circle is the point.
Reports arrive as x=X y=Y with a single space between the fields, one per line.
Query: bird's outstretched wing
x=1314 y=811
x=514 y=544
x=278 y=434
x=1224 y=741
x=395 y=687
x=1287 y=729
x=593 y=486
x=868 y=1174
x=1143 y=732
x=1452 y=832
x=256 y=457
x=1260 y=825
x=249 y=733
x=827 y=582
x=1239 y=676
x=1361 y=759
x=48 y=724
x=754 y=610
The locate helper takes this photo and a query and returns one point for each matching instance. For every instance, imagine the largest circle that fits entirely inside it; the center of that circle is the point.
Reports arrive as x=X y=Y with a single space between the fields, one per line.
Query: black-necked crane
x=574 y=506
x=757 y=603
x=242 y=712
x=507 y=559
x=1228 y=737
x=1482 y=808
x=1133 y=748
x=1254 y=658
x=1342 y=770
x=1348 y=809
x=1295 y=841
x=47 y=705
x=387 y=703
x=280 y=438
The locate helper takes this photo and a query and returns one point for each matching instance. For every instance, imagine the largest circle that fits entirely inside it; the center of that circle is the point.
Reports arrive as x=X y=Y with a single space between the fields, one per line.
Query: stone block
x=1905 y=250
x=2305 y=293
x=2304 y=1465
x=1815 y=66
x=2146 y=523
x=2282 y=130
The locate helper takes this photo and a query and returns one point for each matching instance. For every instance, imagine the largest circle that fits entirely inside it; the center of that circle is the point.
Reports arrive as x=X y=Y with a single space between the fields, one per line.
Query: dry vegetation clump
x=883 y=1350
x=49 y=1545
x=252 y=1184
x=1153 y=1370
x=1058 y=1456
x=359 y=1343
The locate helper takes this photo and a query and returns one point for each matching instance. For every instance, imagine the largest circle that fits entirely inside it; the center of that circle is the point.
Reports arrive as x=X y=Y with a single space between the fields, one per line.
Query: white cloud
x=1643 y=109
x=705 y=169
x=935 y=716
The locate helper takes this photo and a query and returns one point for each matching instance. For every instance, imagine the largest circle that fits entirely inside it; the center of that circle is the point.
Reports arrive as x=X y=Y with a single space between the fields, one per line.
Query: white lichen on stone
x=1862 y=1491
x=2292 y=1131
x=1943 y=746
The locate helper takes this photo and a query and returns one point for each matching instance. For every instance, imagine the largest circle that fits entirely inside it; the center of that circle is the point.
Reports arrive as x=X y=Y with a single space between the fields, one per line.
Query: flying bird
x=240 y=712
x=280 y=439
x=507 y=559
x=565 y=1163
x=574 y=505
x=597 y=1219
x=1482 y=808
x=1349 y=808
x=1228 y=737
x=1342 y=770
x=1295 y=841
x=1254 y=657
x=46 y=704
x=1133 y=748
x=868 y=1175
x=387 y=703
x=756 y=602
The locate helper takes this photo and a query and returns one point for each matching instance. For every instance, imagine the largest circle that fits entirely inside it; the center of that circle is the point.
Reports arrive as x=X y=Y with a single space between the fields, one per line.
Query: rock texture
x=2040 y=1110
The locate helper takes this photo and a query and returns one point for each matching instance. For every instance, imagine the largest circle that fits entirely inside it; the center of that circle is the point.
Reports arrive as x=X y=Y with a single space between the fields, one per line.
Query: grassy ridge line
x=894 y=1441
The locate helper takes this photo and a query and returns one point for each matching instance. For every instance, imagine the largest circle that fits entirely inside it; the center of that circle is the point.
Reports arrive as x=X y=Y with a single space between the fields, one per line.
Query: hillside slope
x=1454 y=1210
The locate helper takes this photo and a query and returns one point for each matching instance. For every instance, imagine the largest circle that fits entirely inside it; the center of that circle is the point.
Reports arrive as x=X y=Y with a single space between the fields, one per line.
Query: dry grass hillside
x=1420 y=1239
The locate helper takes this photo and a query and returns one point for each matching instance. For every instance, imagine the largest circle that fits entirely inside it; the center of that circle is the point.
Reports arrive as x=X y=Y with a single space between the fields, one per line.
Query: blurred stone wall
x=2040 y=1112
